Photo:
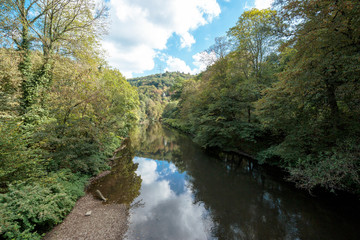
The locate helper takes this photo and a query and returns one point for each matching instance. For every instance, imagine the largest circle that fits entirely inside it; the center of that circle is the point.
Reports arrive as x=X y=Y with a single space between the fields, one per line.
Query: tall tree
x=253 y=36
x=315 y=102
x=331 y=29
x=18 y=17
x=56 y=26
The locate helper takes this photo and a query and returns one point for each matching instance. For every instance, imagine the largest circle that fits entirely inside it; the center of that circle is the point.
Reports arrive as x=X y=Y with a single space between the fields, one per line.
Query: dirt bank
x=105 y=222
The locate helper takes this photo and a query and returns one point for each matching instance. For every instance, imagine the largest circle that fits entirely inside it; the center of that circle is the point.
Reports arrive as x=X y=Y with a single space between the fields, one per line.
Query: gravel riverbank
x=107 y=221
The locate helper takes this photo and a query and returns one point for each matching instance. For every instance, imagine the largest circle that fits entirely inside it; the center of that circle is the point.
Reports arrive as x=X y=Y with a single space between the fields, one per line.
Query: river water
x=178 y=192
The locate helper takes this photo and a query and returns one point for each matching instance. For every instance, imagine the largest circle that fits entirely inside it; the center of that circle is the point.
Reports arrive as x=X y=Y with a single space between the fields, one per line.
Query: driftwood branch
x=101 y=196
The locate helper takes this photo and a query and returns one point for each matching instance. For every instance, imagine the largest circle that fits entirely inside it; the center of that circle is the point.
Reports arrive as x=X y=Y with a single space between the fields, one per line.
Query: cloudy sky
x=152 y=36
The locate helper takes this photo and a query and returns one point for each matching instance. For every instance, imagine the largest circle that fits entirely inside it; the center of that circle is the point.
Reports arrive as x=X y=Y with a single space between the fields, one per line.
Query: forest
x=155 y=93
x=284 y=88
x=63 y=110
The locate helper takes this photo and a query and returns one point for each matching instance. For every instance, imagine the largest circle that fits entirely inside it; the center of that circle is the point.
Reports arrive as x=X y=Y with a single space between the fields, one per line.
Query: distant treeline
x=155 y=91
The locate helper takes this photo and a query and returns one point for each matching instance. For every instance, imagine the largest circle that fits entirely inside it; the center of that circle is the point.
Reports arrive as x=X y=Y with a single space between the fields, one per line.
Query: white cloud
x=147 y=170
x=262 y=4
x=204 y=59
x=139 y=28
x=187 y=40
x=201 y=61
x=176 y=64
x=129 y=59
x=172 y=168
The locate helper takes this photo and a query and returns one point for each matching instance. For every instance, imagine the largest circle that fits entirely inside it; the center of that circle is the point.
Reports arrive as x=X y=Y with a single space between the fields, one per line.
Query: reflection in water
x=186 y=194
x=122 y=185
x=168 y=211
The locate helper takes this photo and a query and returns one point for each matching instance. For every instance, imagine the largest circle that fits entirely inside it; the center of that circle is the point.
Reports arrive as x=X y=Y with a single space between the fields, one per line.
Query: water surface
x=187 y=194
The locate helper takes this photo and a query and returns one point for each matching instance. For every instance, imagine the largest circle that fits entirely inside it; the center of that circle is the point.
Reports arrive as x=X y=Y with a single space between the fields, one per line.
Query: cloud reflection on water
x=168 y=211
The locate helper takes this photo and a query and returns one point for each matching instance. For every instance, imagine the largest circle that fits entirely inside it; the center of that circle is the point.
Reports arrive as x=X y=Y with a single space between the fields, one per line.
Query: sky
x=153 y=36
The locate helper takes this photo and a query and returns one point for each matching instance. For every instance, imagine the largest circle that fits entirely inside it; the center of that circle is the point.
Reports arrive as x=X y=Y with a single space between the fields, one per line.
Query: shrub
x=28 y=210
x=338 y=169
x=19 y=159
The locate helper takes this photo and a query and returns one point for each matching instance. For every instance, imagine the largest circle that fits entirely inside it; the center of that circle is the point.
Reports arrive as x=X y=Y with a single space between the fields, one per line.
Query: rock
x=88 y=213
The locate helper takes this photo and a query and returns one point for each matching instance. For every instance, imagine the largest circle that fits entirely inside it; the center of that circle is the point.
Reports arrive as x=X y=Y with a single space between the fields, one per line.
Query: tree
x=332 y=29
x=253 y=36
x=56 y=26
x=18 y=17
x=313 y=104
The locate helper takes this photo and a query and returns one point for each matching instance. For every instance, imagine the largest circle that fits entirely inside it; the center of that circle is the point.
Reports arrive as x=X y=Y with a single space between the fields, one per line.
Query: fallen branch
x=101 y=196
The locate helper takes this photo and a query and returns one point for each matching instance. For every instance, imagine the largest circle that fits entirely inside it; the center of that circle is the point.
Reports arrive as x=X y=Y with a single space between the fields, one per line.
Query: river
x=178 y=192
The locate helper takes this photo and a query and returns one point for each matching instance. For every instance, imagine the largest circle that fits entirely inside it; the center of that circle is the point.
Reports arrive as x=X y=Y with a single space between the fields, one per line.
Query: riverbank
x=91 y=218
x=250 y=151
x=107 y=221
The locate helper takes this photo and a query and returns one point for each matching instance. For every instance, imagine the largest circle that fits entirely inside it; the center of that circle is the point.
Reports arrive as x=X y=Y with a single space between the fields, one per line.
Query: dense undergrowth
x=29 y=209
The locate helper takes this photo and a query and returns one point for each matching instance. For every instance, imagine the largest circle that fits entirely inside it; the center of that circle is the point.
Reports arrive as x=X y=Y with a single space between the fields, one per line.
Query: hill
x=155 y=92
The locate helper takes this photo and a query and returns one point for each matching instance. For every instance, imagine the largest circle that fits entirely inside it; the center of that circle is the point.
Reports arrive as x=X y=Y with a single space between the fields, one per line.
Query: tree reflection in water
x=122 y=185
x=187 y=194
x=242 y=201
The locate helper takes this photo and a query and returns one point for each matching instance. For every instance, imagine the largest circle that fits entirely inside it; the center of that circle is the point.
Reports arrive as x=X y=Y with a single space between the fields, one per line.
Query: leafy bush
x=178 y=124
x=18 y=161
x=338 y=169
x=170 y=110
x=28 y=210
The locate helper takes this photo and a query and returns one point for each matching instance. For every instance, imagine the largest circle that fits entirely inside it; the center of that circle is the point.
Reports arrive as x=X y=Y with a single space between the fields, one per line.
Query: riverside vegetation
x=154 y=93
x=63 y=111
x=287 y=81
x=284 y=87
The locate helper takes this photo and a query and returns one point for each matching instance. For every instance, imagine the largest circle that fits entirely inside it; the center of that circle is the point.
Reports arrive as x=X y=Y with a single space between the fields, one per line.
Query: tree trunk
x=334 y=109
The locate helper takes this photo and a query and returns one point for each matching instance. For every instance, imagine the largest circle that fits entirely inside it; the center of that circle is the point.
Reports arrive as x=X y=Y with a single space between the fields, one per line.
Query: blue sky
x=149 y=36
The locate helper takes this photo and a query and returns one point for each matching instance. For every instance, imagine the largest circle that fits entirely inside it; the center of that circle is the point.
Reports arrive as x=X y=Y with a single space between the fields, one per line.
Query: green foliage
x=91 y=113
x=62 y=111
x=19 y=162
x=10 y=81
x=337 y=169
x=177 y=124
x=170 y=110
x=301 y=100
x=156 y=91
x=29 y=85
x=160 y=80
x=28 y=210
x=254 y=37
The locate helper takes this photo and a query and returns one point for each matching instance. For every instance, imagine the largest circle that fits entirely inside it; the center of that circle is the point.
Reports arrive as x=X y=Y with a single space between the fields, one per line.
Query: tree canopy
x=287 y=93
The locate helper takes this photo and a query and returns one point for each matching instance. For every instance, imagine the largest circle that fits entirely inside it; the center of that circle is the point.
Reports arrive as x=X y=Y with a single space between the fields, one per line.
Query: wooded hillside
x=288 y=81
x=156 y=91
